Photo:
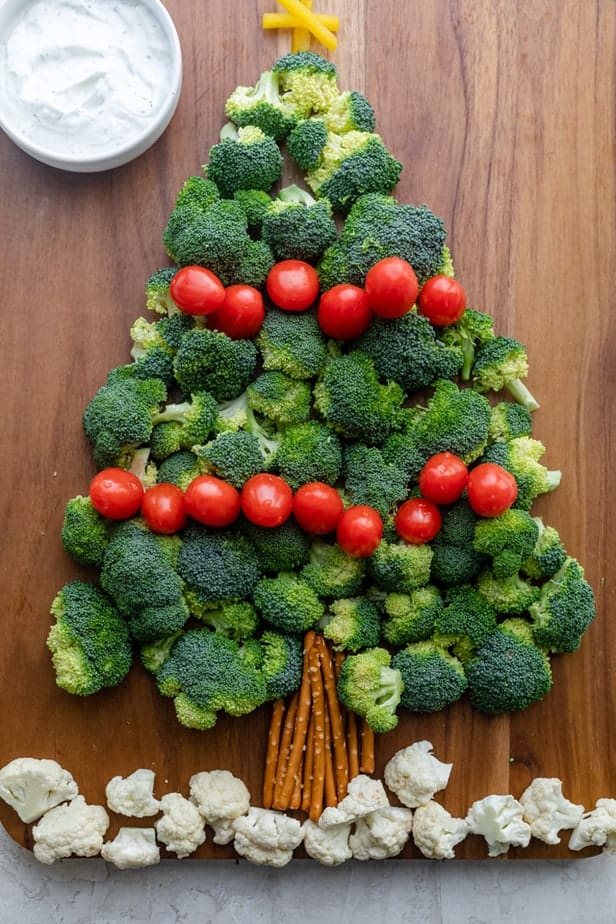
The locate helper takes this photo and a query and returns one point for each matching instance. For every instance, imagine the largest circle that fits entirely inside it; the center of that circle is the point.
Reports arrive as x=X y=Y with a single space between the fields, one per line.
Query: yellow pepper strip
x=309 y=21
x=300 y=40
x=286 y=21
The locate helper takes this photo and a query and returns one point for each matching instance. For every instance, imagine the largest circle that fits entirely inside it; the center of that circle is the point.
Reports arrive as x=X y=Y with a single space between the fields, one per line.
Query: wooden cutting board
x=502 y=113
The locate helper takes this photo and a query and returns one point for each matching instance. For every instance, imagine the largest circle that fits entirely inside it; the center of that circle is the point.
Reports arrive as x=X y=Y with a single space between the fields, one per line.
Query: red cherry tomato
x=212 y=501
x=196 y=290
x=292 y=285
x=343 y=312
x=491 y=489
x=442 y=300
x=391 y=287
x=116 y=493
x=267 y=500
x=317 y=507
x=443 y=478
x=241 y=314
x=418 y=520
x=359 y=531
x=163 y=508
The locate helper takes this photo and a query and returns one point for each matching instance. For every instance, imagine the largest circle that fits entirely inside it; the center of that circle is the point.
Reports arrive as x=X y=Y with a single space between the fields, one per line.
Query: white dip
x=81 y=77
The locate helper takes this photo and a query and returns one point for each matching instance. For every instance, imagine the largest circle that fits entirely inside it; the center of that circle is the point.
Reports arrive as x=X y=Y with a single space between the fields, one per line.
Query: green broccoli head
x=472 y=330
x=255 y=264
x=245 y=158
x=308 y=81
x=153 y=623
x=197 y=192
x=432 y=678
x=119 y=418
x=548 y=555
x=216 y=238
x=285 y=602
x=306 y=142
x=234 y=456
x=352 y=623
x=298 y=228
x=236 y=619
x=400 y=568
x=89 y=642
x=351 y=111
x=255 y=204
x=369 y=479
x=333 y=267
x=454 y=558
x=509 y=672
x=351 y=165
x=157 y=297
x=507 y=539
x=263 y=107
x=410 y=617
x=309 y=451
x=510 y=596
x=283 y=661
x=564 y=609
x=179 y=468
x=371 y=686
x=218 y=564
x=465 y=622
x=278 y=548
x=521 y=456
x=501 y=362
x=331 y=573
x=509 y=420
x=280 y=398
x=208 y=360
x=84 y=532
x=293 y=344
x=196 y=418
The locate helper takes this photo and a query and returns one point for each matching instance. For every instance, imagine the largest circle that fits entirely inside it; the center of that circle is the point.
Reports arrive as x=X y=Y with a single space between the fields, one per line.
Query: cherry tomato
x=343 y=312
x=292 y=285
x=418 y=520
x=442 y=300
x=212 y=501
x=317 y=507
x=116 y=493
x=241 y=314
x=491 y=489
x=443 y=478
x=267 y=500
x=391 y=287
x=196 y=290
x=359 y=531
x=163 y=508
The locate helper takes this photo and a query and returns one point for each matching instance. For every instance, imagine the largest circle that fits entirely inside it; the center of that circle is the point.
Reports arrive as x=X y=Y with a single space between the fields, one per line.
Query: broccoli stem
x=173 y=413
x=522 y=395
x=295 y=193
x=554 y=477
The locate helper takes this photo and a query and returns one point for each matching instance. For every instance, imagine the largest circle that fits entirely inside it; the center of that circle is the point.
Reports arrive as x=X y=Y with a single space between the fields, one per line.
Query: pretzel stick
x=353 y=744
x=285 y=746
x=367 y=748
x=271 y=757
x=337 y=726
x=308 y=767
x=331 y=797
x=285 y=794
x=318 y=712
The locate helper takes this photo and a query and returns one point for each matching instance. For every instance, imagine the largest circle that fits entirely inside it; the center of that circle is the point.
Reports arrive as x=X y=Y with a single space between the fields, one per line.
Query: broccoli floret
x=297 y=227
x=501 y=363
x=465 y=622
x=510 y=596
x=352 y=164
x=282 y=665
x=165 y=333
x=245 y=158
x=472 y=330
x=564 y=610
x=84 y=532
x=333 y=267
x=197 y=191
x=196 y=419
x=400 y=568
x=370 y=480
x=233 y=414
x=507 y=539
x=236 y=619
x=255 y=204
x=216 y=238
x=278 y=548
x=509 y=421
x=218 y=564
x=406 y=350
x=157 y=363
x=548 y=555
x=155 y=622
x=306 y=142
x=350 y=112
x=331 y=573
x=287 y=603
x=166 y=440
x=520 y=456
x=410 y=617
x=309 y=452
x=268 y=439
x=209 y=360
x=454 y=559
x=157 y=296
x=233 y=456
x=509 y=672
x=255 y=264
x=352 y=624
x=432 y=677
x=293 y=344
x=446 y=267
x=281 y=399
x=89 y=643
x=262 y=106
x=308 y=81
x=370 y=686
x=354 y=402
x=206 y=673
x=154 y=654
x=180 y=469
x=119 y=417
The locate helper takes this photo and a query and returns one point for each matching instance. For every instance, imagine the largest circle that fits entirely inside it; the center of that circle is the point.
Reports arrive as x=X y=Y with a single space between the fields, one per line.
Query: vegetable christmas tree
x=316 y=476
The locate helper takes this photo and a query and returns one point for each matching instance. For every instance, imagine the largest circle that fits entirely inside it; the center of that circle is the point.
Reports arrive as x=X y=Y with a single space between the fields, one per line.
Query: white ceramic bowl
x=55 y=148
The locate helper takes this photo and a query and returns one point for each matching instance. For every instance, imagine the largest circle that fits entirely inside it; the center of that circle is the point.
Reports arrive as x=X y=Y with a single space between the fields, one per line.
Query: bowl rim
x=139 y=143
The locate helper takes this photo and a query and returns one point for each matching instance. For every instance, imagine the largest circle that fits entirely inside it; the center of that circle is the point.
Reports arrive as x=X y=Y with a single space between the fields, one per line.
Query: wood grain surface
x=503 y=114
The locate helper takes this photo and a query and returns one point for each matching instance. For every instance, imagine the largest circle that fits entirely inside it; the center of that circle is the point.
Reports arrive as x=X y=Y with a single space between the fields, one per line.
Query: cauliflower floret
x=436 y=832
x=66 y=830
x=132 y=848
x=381 y=834
x=596 y=828
x=329 y=846
x=414 y=774
x=500 y=819
x=32 y=786
x=547 y=811
x=181 y=828
x=133 y=795
x=221 y=798
x=364 y=795
x=267 y=838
